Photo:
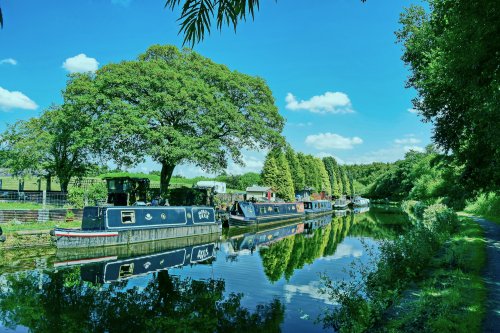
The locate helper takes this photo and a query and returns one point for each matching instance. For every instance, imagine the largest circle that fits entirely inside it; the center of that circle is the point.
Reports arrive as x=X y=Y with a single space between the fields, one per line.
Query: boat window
x=276 y=209
x=128 y=216
x=126 y=270
x=262 y=210
x=293 y=207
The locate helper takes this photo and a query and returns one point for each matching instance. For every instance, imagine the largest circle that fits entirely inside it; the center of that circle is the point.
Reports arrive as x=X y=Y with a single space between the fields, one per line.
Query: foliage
x=453 y=51
x=166 y=304
x=331 y=168
x=368 y=294
x=78 y=196
x=240 y=182
x=276 y=174
x=324 y=177
x=296 y=169
x=422 y=176
x=485 y=204
x=58 y=143
x=177 y=107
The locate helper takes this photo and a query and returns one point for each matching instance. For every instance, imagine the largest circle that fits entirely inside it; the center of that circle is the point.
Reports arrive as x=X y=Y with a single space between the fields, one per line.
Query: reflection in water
x=170 y=285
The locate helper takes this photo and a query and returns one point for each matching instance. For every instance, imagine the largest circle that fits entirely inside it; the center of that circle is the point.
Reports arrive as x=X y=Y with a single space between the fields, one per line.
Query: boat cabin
x=317 y=206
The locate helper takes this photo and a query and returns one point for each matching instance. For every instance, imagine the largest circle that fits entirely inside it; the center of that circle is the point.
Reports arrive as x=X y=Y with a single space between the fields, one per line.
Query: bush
x=486 y=204
x=439 y=218
x=94 y=194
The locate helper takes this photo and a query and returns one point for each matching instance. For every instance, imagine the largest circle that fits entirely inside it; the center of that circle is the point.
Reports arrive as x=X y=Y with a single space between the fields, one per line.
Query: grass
x=486 y=205
x=33 y=226
x=23 y=205
x=452 y=296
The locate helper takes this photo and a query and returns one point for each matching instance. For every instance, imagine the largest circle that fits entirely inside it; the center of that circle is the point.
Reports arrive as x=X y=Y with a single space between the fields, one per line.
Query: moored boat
x=360 y=202
x=340 y=203
x=318 y=207
x=246 y=213
x=105 y=226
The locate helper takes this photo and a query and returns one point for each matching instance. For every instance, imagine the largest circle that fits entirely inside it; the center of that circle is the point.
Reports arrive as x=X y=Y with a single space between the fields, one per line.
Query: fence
x=38 y=199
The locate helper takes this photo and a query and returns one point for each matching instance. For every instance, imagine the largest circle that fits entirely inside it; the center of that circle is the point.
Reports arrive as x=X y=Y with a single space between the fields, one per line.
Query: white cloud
x=407 y=140
x=329 y=102
x=323 y=154
x=313 y=290
x=413 y=111
x=15 y=100
x=327 y=141
x=80 y=64
x=8 y=61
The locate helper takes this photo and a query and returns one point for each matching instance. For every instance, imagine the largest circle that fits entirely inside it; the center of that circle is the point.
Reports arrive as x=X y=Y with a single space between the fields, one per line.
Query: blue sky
x=333 y=66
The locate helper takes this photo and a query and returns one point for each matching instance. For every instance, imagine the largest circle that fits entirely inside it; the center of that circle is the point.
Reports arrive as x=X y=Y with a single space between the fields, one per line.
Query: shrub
x=487 y=204
x=439 y=218
x=94 y=193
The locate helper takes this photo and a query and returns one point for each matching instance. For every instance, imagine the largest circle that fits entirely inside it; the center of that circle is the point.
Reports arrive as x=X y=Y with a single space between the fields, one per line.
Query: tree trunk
x=167 y=170
x=64 y=184
x=49 y=182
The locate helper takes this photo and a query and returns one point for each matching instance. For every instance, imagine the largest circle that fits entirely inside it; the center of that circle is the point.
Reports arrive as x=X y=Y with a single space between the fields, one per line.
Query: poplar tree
x=270 y=172
x=285 y=183
x=296 y=169
x=325 y=181
x=331 y=168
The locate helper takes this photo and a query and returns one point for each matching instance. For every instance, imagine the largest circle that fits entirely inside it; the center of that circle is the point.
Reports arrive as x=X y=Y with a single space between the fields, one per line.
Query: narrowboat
x=248 y=242
x=105 y=226
x=246 y=213
x=361 y=210
x=318 y=207
x=360 y=202
x=340 y=203
x=318 y=222
x=118 y=269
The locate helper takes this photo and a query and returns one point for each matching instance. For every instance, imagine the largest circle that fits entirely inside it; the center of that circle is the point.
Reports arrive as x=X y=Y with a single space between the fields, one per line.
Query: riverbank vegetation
x=427 y=279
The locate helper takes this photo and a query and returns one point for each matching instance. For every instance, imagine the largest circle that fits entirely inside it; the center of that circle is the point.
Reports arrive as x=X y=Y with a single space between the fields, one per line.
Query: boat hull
x=68 y=238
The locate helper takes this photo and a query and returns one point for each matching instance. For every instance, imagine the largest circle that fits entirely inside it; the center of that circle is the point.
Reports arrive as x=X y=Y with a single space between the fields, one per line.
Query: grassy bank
x=11 y=227
x=426 y=280
x=486 y=205
x=451 y=296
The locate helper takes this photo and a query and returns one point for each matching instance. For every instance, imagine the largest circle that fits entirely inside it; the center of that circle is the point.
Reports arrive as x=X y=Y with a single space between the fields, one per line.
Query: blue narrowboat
x=248 y=242
x=318 y=207
x=102 y=226
x=126 y=268
x=247 y=213
x=318 y=222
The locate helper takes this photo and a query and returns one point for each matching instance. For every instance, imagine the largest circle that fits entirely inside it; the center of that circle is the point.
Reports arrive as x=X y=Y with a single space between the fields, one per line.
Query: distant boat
x=106 y=226
x=340 y=203
x=360 y=202
x=318 y=206
x=247 y=213
x=318 y=222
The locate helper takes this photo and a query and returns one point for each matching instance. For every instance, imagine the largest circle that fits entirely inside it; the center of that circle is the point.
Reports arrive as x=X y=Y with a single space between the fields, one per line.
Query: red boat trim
x=85 y=234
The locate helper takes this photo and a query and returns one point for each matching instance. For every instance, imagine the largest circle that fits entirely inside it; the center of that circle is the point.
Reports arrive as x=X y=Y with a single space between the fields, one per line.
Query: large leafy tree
x=56 y=144
x=177 y=107
x=453 y=51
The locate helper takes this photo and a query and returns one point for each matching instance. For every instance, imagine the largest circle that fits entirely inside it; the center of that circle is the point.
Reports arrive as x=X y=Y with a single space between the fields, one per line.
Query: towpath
x=491 y=274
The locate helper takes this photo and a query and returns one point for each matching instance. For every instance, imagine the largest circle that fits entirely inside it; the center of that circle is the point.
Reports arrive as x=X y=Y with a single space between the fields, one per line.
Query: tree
x=276 y=173
x=453 y=52
x=58 y=143
x=325 y=180
x=331 y=169
x=295 y=169
x=178 y=107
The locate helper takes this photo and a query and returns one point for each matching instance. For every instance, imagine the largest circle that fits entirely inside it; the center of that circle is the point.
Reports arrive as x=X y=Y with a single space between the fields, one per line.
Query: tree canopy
x=453 y=51
x=58 y=143
x=176 y=106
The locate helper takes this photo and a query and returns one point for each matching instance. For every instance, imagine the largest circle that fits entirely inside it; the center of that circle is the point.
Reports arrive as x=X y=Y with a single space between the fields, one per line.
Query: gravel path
x=491 y=274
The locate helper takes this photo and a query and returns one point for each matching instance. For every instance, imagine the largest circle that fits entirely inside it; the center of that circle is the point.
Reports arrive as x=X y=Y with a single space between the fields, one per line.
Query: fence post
x=44 y=198
x=85 y=200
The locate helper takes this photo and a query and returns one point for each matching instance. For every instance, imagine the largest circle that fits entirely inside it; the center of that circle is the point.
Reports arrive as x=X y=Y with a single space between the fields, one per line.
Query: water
x=250 y=279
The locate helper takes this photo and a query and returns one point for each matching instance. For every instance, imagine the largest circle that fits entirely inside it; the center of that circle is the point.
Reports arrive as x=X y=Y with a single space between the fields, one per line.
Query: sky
x=334 y=67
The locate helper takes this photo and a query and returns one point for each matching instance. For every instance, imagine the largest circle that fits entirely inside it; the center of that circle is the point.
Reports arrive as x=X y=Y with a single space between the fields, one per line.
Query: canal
x=246 y=279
